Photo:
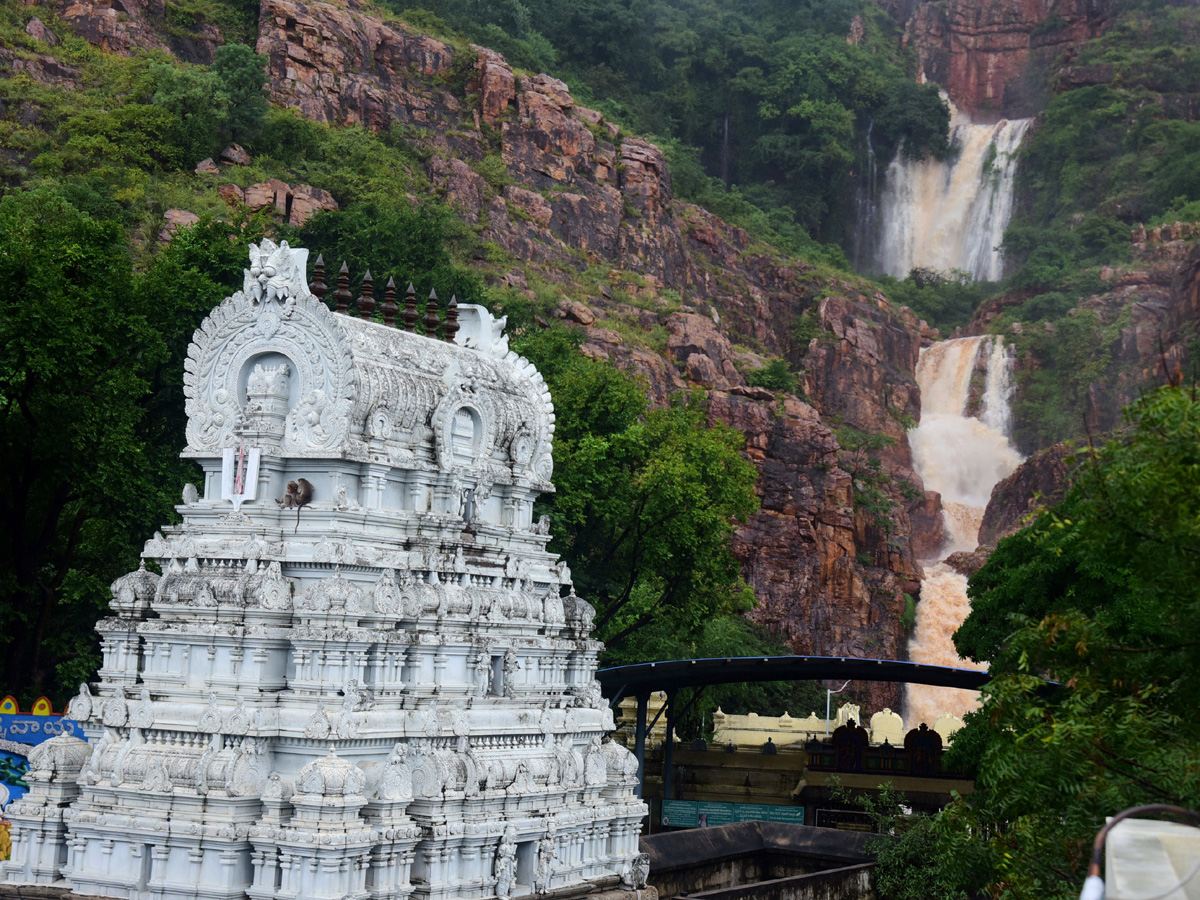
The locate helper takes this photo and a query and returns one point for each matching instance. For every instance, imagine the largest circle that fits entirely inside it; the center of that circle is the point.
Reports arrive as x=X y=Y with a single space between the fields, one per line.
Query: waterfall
x=962 y=457
x=951 y=214
x=866 y=208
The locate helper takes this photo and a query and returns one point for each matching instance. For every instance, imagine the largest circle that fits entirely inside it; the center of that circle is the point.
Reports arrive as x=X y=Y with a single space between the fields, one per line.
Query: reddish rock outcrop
x=800 y=551
x=294 y=203
x=495 y=84
x=985 y=52
x=37 y=30
x=173 y=220
x=830 y=574
x=338 y=66
x=39 y=67
x=126 y=26
x=1039 y=482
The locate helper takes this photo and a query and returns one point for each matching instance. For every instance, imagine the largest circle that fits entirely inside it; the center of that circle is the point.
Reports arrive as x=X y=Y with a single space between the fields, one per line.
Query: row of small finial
x=364 y=306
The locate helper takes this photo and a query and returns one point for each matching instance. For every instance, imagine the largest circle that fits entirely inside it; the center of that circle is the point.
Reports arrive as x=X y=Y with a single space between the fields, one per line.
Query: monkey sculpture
x=297 y=494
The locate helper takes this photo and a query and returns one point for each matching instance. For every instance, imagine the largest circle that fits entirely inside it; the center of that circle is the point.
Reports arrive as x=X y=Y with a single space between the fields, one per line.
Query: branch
x=642 y=620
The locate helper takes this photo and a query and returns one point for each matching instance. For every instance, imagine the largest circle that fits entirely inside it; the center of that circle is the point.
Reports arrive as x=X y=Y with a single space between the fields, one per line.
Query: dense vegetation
x=772 y=96
x=1098 y=595
x=1115 y=151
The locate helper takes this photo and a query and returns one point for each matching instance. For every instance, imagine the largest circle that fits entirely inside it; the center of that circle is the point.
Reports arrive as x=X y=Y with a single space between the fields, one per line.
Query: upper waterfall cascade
x=951 y=214
x=962 y=457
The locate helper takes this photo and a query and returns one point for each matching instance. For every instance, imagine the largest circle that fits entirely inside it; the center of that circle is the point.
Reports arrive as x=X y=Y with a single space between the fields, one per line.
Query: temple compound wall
x=359 y=674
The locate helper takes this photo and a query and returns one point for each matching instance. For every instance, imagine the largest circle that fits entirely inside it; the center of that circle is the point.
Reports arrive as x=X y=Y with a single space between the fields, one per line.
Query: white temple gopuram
x=387 y=692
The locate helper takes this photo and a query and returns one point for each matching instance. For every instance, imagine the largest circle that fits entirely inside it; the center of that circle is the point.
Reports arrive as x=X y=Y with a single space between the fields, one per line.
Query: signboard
x=19 y=732
x=703 y=813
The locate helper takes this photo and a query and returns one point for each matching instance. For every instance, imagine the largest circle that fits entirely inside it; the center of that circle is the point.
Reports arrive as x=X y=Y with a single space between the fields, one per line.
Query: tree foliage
x=646 y=501
x=772 y=95
x=81 y=476
x=1099 y=596
x=242 y=75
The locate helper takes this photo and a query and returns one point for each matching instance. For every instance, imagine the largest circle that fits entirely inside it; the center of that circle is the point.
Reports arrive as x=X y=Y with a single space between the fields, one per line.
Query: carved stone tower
x=385 y=692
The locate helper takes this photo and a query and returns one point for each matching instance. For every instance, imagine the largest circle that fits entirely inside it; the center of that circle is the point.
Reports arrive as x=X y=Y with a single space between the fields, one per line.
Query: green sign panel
x=703 y=813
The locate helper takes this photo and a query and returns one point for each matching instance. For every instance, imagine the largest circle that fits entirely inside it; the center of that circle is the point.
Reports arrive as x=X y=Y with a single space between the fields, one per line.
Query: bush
x=774 y=376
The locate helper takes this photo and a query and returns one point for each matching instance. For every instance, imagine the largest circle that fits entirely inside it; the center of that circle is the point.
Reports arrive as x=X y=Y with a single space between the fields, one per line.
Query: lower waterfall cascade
x=951 y=214
x=962 y=456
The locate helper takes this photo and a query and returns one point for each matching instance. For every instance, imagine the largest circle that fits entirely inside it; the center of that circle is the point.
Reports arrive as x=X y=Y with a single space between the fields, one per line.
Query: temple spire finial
x=366 y=303
x=342 y=295
x=450 y=327
x=319 y=288
x=410 y=308
x=389 y=303
x=430 y=320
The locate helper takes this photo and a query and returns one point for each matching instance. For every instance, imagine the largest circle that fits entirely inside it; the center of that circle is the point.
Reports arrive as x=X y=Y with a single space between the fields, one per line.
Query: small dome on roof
x=331 y=776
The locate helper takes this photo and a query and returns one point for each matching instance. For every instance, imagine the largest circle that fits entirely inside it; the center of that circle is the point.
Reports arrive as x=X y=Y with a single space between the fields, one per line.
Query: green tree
x=81 y=478
x=646 y=499
x=1098 y=596
x=199 y=101
x=408 y=244
x=242 y=73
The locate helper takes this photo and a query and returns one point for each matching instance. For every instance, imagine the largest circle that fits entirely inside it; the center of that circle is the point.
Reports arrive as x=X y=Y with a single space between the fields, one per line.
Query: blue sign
x=22 y=728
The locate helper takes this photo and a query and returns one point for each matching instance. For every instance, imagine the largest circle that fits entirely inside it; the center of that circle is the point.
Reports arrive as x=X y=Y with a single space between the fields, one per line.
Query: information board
x=703 y=813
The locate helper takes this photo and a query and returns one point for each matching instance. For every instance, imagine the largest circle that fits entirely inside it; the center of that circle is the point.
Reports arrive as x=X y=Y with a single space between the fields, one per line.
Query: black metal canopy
x=670 y=675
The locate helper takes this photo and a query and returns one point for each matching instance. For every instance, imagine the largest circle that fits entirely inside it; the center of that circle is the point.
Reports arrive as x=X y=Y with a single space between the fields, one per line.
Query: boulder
x=495 y=83
x=232 y=194
x=235 y=155
x=173 y=220
x=37 y=30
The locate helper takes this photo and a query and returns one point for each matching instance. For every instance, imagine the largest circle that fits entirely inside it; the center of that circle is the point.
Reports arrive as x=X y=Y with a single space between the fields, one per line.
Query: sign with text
x=703 y=813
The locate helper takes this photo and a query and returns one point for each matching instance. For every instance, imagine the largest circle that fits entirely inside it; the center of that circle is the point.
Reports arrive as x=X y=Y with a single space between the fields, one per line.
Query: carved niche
x=273 y=324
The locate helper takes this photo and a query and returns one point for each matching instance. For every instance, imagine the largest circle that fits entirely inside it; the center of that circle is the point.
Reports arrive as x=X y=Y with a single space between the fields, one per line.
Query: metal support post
x=669 y=749
x=639 y=742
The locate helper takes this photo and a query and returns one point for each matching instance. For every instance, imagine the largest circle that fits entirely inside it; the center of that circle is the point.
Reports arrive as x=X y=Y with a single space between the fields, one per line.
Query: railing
x=342 y=300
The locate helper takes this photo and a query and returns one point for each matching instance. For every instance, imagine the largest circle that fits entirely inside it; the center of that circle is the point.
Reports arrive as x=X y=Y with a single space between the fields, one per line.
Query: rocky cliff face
x=1037 y=484
x=671 y=292
x=992 y=56
x=829 y=569
x=1151 y=305
x=125 y=26
x=1153 y=308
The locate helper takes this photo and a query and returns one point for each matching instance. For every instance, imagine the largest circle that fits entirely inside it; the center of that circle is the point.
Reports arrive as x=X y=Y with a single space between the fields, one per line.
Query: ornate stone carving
x=116 y=710
x=61 y=758
x=464 y=427
x=506 y=863
x=386 y=594
x=331 y=776
x=80 y=707
x=210 y=718
x=334 y=594
x=396 y=783
x=511 y=667
x=274 y=591
x=141 y=715
x=595 y=768
x=132 y=593
x=238 y=720
x=547 y=854
x=638 y=872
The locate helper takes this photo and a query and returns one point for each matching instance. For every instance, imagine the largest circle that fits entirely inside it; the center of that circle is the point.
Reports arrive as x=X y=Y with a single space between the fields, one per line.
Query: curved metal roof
x=669 y=675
